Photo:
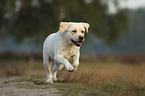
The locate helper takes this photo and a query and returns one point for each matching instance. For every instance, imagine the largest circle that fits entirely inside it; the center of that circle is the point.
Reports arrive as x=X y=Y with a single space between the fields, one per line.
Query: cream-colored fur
x=61 y=46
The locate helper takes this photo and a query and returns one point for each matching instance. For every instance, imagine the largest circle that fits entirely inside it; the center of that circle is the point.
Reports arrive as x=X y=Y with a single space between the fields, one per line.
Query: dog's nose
x=81 y=38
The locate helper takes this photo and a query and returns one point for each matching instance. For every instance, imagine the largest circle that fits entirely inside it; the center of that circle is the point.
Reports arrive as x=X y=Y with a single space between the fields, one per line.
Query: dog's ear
x=64 y=26
x=86 y=25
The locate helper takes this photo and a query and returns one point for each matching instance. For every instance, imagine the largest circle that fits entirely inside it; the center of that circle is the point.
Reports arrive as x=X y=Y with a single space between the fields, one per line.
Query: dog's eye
x=74 y=31
x=83 y=31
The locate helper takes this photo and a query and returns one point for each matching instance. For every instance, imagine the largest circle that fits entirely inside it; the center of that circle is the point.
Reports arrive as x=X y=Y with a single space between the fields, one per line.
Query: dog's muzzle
x=77 y=43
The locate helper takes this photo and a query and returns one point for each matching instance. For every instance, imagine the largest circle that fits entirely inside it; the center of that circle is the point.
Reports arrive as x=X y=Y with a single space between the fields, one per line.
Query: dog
x=61 y=46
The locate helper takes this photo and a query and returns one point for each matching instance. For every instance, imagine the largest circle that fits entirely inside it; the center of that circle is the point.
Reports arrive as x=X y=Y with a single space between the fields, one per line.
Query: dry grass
x=92 y=77
x=116 y=72
x=110 y=78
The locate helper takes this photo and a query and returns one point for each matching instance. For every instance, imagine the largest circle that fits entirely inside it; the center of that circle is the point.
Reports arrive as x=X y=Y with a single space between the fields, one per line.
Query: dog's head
x=74 y=32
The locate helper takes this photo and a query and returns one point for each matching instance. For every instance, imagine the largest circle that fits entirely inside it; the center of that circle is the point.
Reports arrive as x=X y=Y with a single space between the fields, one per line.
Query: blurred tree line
x=133 y=40
x=30 y=18
x=130 y=40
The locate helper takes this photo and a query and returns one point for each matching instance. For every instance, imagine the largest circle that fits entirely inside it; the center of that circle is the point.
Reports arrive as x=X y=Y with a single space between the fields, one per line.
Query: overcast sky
x=132 y=4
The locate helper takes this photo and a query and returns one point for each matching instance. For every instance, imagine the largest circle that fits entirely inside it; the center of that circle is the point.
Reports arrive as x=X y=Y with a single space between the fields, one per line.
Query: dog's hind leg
x=48 y=65
x=56 y=67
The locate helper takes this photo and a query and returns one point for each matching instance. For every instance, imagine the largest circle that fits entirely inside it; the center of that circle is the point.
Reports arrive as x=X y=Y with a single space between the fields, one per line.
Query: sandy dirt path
x=13 y=89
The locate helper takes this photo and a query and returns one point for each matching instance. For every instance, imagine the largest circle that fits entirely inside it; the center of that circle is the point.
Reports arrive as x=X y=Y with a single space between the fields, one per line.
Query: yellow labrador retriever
x=61 y=46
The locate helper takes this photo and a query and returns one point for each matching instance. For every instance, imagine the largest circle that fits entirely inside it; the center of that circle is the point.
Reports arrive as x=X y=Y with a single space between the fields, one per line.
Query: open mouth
x=77 y=43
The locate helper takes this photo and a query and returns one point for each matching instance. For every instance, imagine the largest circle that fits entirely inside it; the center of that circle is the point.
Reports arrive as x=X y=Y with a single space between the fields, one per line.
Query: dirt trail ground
x=13 y=89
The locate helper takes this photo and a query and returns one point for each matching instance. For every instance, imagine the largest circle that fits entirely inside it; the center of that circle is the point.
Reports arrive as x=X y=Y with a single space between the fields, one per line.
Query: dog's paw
x=70 y=68
x=54 y=79
x=49 y=81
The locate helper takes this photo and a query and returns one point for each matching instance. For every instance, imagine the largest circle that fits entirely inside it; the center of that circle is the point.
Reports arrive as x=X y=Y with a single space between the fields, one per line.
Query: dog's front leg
x=65 y=62
x=76 y=61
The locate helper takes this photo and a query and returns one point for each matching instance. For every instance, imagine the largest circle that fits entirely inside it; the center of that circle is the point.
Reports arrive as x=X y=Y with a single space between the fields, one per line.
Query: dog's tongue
x=79 y=43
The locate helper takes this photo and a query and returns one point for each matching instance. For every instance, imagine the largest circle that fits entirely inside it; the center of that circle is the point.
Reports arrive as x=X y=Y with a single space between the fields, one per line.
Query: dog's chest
x=68 y=52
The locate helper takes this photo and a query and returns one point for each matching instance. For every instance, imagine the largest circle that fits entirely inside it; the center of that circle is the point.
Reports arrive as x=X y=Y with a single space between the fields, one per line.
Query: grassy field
x=92 y=78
